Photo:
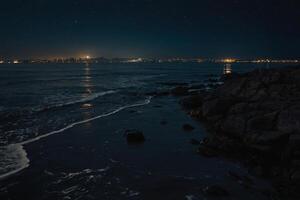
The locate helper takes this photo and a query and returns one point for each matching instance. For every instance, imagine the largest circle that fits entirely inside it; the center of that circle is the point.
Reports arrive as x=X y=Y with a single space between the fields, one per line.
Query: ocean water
x=38 y=101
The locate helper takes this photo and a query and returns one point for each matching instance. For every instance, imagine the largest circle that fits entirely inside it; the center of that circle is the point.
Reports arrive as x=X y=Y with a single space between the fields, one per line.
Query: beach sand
x=94 y=161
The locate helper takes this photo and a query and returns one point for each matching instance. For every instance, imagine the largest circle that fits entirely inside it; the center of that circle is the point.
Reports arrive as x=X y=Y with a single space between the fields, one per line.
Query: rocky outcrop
x=256 y=115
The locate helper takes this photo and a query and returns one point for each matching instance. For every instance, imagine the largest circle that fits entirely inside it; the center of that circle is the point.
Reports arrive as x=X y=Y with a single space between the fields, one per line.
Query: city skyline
x=90 y=59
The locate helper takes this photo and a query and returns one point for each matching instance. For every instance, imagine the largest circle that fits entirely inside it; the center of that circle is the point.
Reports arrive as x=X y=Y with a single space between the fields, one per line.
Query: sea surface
x=50 y=114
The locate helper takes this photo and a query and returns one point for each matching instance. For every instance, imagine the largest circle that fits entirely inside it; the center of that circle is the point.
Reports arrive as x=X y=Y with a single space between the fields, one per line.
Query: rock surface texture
x=256 y=116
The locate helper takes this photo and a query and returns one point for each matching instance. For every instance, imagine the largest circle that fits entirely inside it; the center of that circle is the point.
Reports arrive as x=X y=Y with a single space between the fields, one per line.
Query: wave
x=85 y=99
x=13 y=159
x=16 y=157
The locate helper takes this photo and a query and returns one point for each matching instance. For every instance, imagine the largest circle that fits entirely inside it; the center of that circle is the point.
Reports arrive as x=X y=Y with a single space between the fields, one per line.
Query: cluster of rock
x=256 y=116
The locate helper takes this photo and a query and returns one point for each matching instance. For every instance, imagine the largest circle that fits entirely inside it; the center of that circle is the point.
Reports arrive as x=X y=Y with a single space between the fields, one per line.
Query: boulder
x=192 y=102
x=196 y=113
x=207 y=151
x=188 y=127
x=134 y=136
x=195 y=142
x=163 y=122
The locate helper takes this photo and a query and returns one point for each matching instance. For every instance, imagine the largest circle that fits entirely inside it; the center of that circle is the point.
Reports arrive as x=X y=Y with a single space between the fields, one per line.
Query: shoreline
x=23 y=154
x=97 y=153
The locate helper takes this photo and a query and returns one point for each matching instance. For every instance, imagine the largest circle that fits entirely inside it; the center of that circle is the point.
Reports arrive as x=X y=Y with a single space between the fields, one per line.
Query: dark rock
x=297 y=153
x=296 y=163
x=289 y=120
x=195 y=142
x=204 y=141
x=262 y=122
x=192 y=102
x=270 y=137
x=163 y=122
x=245 y=180
x=134 y=136
x=295 y=176
x=239 y=108
x=188 y=127
x=234 y=175
x=257 y=171
x=180 y=91
x=217 y=106
x=294 y=141
x=215 y=190
x=261 y=148
x=206 y=151
x=255 y=117
x=235 y=124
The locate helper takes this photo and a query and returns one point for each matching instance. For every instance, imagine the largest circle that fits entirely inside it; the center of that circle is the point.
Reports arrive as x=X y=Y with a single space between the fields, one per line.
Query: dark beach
x=93 y=161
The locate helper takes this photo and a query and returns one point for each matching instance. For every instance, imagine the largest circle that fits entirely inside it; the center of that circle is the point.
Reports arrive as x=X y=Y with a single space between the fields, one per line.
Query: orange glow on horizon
x=229 y=60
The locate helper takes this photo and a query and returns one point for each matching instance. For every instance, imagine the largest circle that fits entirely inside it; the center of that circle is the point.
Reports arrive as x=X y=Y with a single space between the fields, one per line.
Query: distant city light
x=135 y=60
x=89 y=59
x=229 y=60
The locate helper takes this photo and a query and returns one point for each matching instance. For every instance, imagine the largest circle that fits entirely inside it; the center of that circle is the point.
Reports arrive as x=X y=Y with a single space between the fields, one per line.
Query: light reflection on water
x=88 y=85
x=227 y=69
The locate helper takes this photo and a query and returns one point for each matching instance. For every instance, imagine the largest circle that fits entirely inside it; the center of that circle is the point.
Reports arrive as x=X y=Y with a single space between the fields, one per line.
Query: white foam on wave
x=15 y=157
x=82 y=100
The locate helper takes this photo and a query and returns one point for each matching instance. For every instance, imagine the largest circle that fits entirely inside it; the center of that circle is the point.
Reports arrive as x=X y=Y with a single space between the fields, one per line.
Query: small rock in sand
x=163 y=122
x=134 y=136
x=195 y=142
x=188 y=127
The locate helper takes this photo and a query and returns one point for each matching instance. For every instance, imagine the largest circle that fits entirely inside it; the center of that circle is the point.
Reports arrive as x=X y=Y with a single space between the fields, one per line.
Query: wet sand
x=94 y=161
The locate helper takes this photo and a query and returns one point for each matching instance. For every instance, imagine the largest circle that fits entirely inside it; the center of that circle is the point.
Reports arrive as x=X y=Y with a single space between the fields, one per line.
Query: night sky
x=150 y=28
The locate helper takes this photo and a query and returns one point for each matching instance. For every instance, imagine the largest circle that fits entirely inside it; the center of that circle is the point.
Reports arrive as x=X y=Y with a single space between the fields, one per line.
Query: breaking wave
x=82 y=100
x=15 y=157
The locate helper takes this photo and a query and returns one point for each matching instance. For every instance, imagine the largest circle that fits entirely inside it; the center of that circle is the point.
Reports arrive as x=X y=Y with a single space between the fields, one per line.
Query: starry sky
x=150 y=28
